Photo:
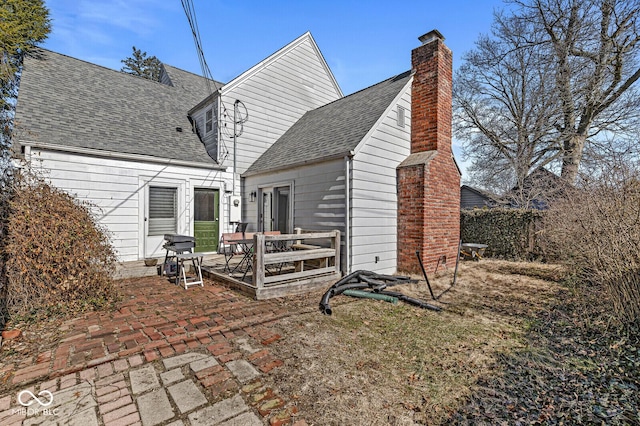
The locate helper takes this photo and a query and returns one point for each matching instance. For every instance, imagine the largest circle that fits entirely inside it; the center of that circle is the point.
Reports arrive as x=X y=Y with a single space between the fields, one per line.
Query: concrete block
x=154 y=408
x=219 y=412
x=242 y=370
x=180 y=360
x=187 y=396
x=143 y=379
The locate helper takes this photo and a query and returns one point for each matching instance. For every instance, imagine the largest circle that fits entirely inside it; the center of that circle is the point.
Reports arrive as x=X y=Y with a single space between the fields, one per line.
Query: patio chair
x=275 y=247
x=241 y=227
x=227 y=249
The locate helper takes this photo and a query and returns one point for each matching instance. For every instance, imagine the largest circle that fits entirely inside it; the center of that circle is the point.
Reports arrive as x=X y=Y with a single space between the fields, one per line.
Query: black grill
x=179 y=243
x=174 y=238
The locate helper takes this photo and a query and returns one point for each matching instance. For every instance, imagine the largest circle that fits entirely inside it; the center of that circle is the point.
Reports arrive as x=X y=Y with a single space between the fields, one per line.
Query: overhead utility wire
x=190 y=12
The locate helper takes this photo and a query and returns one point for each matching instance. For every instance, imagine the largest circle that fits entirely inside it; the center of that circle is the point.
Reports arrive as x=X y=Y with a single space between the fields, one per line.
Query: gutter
x=331 y=157
x=119 y=155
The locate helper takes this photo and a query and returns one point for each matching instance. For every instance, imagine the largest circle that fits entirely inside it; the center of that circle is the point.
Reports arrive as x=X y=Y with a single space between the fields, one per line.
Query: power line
x=190 y=12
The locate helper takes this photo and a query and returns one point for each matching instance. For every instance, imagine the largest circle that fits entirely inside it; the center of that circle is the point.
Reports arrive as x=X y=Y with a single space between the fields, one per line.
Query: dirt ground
x=376 y=363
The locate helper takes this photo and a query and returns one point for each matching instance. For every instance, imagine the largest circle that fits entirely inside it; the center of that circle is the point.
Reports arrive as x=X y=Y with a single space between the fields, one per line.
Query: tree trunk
x=571 y=158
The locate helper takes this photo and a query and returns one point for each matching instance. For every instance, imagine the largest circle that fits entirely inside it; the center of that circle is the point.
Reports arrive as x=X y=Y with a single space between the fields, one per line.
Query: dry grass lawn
x=376 y=363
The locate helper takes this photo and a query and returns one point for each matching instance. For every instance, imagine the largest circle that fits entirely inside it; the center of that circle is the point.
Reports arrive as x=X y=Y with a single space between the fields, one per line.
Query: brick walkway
x=166 y=356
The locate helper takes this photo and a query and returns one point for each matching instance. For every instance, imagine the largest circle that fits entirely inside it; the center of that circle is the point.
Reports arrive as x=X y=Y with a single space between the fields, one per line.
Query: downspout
x=235 y=142
x=347 y=212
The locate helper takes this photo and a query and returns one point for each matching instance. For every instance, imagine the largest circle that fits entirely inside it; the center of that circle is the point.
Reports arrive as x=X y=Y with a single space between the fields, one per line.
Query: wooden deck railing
x=303 y=266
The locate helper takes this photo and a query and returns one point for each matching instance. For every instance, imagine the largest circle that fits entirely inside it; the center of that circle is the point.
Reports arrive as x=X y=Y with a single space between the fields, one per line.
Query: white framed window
x=401 y=115
x=208 y=122
x=163 y=210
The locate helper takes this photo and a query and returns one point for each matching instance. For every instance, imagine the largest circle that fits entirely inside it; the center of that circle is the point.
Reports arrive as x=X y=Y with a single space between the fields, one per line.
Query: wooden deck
x=301 y=263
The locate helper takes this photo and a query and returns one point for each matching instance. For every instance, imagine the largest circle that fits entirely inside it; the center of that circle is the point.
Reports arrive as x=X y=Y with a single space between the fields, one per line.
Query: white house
x=278 y=147
x=157 y=158
x=336 y=169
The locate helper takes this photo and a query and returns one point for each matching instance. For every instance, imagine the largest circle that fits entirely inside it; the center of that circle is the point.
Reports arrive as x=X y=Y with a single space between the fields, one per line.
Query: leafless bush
x=57 y=257
x=595 y=230
x=5 y=195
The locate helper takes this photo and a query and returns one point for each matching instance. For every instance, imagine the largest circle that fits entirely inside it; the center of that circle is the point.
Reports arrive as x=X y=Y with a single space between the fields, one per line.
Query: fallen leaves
x=578 y=373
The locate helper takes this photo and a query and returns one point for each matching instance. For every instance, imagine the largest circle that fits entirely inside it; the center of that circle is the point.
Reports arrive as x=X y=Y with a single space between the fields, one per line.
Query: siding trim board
x=119 y=155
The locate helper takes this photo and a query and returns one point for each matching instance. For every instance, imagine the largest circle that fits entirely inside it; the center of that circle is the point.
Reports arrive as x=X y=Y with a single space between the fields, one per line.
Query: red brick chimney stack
x=429 y=179
x=431 y=64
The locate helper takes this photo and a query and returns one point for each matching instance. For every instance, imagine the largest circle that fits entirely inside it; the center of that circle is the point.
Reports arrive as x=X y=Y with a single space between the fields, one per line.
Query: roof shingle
x=331 y=130
x=69 y=102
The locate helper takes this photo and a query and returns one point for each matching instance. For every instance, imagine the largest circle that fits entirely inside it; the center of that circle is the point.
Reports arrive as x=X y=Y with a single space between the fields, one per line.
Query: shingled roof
x=332 y=130
x=67 y=102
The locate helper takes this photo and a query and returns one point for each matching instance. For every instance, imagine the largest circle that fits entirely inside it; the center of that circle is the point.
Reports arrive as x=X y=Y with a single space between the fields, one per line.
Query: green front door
x=206 y=219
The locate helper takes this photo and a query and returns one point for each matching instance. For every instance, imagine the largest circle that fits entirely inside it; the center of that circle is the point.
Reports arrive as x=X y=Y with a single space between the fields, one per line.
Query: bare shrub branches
x=58 y=258
x=595 y=230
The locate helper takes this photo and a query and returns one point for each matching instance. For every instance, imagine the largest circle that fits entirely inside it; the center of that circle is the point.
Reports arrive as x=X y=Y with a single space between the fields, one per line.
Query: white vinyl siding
x=276 y=93
x=374 y=200
x=117 y=189
x=318 y=198
x=318 y=195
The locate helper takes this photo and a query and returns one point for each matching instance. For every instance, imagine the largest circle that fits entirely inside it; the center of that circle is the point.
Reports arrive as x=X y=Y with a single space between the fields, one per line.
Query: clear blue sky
x=363 y=42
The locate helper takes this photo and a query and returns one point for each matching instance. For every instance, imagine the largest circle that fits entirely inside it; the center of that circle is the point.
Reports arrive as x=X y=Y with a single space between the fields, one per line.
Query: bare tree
x=594 y=46
x=505 y=106
x=555 y=77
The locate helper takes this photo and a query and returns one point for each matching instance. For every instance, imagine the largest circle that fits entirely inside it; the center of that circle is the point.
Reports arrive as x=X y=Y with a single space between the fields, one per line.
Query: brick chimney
x=429 y=179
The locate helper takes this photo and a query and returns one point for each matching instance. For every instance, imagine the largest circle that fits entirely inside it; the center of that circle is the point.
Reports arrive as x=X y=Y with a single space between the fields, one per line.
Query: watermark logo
x=27 y=399
x=47 y=398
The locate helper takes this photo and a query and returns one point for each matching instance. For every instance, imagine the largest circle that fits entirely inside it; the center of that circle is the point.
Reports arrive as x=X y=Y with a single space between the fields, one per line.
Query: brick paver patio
x=166 y=356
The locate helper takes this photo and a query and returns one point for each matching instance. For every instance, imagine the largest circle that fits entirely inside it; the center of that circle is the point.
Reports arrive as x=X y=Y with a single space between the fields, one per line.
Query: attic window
x=401 y=111
x=208 y=125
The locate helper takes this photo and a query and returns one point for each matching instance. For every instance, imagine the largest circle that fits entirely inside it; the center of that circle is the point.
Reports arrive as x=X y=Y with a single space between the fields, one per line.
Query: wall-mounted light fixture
x=253 y=195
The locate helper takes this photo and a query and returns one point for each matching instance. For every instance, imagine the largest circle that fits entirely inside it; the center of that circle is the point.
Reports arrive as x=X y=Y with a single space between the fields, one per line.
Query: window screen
x=401 y=112
x=209 y=121
x=162 y=210
x=205 y=205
